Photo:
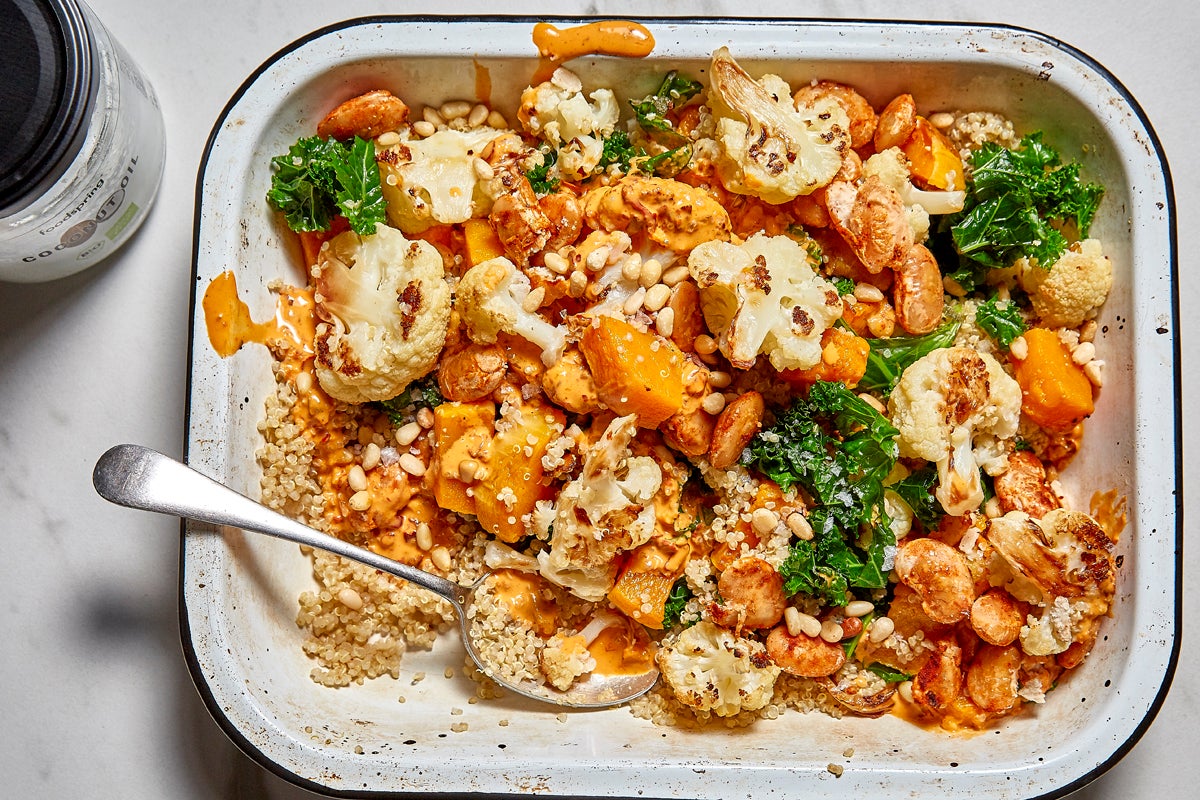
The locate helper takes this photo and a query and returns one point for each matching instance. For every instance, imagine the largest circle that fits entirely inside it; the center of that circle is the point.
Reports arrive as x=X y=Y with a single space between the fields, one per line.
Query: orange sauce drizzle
x=1109 y=509
x=521 y=592
x=607 y=37
x=618 y=652
x=483 y=83
x=230 y=325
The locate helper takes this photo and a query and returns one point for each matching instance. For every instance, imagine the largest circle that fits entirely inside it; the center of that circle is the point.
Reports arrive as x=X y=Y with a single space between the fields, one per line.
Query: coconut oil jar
x=81 y=141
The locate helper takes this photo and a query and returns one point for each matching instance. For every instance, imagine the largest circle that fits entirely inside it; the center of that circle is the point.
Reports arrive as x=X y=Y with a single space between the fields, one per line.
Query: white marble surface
x=96 y=700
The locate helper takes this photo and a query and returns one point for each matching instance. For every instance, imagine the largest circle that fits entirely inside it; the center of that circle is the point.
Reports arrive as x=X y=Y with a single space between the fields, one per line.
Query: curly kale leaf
x=840 y=450
x=319 y=178
x=916 y=489
x=888 y=358
x=420 y=393
x=676 y=602
x=1000 y=319
x=652 y=110
x=540 y=177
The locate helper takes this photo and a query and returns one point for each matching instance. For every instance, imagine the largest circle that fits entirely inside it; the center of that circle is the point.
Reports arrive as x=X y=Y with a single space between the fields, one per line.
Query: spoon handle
x=138 y=477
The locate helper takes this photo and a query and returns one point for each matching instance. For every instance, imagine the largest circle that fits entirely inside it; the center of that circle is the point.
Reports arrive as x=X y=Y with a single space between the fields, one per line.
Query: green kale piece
x=676 y=601
x=840 y=449
x=652 y=110
x=1000 y=319
x=422 y=392
x=318 y=178
x=916 y=489
x=888 y=358
x=540 y=178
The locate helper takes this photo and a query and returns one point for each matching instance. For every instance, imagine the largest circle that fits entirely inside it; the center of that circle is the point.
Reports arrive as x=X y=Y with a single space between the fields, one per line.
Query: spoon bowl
x=138 y=477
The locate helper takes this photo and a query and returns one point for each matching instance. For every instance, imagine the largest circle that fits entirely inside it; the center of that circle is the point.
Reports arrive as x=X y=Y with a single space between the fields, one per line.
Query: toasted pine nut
x=763 y=520
x=831 y=631
x=467 y=469
x=483 y=170
x=440 y=557
x=651 y=273
x=798 y=524
x=407 y=434
x=665 y=321
x=1083 y=353
x=859 y=608
x=905 y=690
x=412 y=465
x=873 y=401
x=424 y=536
x=1087 y=331
x=705 y=345
x=360 y=501
x=657 y=297
x=357 y=478
x=676 y=275
x=387 y=138
x=713 y=403
x=430 y=114
x=478 y=115
x=304 y=382
x=425 y=417
x=868 y=293
x=632 y=267
x=455 y=109
x=424 y=128
x=881 y=628
x=719 y=380
x=496 y=120
x=634 y=302
x=578 y=284
x=371 y=456
x=533 y=300
x=809 y=625
x=556 y=263
x=596 y=259
x=941 y=119
x=1019 y=348
x=350 y=599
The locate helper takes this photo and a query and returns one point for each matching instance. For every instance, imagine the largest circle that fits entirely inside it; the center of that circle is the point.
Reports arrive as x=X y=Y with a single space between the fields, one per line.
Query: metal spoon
x=138 y=477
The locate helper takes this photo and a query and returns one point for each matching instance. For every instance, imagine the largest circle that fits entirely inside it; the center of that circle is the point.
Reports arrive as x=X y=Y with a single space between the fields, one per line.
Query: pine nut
x=763 y=520
x=905 y=690
x=634 y=302
x=665 y=321
x=1083 y=353
x=1087 y=331
x=651 y=273
x=467 y=469
x=455 y=109
x=357 y=478
x=713 y=403
x=412 y=465
x=556 y=263
x=387 y=139
x=596 y=259
x=424 y=536
x=657 y=297
x=941 y=119
x=791 y=618
x=360 y=501
x=483 y=170
x=350 y=599
x=1019 y=349
x=874 y=402
x=632 y=268
x=881 y=628
x=577 y=284
x=430 y=114
x=868 y=293
x=719 y=380
x=1094 y=370
x=496 y=120
x=831 y=631
x=798 y=524
x=859 y=608
x=424 y=128
x=425 y=417
x=304 y=382
x=705 y=345
x=441 y=558
x=478 y=115
x=371 y=456
x=407 y=434
x=676 y=275
x=533 y=300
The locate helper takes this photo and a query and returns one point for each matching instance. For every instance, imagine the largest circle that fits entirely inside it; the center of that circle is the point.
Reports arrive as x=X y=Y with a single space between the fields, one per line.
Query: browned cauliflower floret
x=1072 y=289
x=710 y=669
x=956 y=407
x=490 y=296
x=384 y=306
x=769 y=148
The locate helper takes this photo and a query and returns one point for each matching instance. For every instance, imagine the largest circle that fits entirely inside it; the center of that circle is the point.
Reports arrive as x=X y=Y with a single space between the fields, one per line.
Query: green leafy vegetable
x=540 y=178
x=668 y=163
x=676 y=601
x=888 y=358
x=1015 y=200
x=317 y=178
x=1001 y=320
x=419 y=393
x=840 y=449
x=852 y=644
x=887 y=673
x=620 y=151
x=844 y=286
x=916 y=489
x=652 y=111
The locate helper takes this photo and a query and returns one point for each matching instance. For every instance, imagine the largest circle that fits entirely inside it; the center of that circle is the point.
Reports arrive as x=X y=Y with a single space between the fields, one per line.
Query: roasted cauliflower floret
x=433 y=181
x=1072 y=289
x=769 y=148
x=383 y=307
x=710 y=669
x=763 y=296
x=557 y=112
x=956 y=407
x=605 y=511
x=564 y=658
x=891 y=167
x=489 y=297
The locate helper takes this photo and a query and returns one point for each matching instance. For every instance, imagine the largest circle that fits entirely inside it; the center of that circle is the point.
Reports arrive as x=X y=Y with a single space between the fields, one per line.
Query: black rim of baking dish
x=201 y=680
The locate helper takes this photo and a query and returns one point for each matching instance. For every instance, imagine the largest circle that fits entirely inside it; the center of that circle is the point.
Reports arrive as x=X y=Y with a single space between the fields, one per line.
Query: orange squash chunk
x=848 y=354
x=460 y=431
x=636 y=372
x=932 y=159
x=514 y=480
x=1055 y=392
x=644 y=585
x=481 y=241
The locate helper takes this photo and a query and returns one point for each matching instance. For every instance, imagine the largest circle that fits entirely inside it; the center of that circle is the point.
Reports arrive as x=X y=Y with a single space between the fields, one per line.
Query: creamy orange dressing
x=230 y=325
x=398 y=542
x=607 y=37
x=1109 y=509
x=521 y=593
x=618 y=652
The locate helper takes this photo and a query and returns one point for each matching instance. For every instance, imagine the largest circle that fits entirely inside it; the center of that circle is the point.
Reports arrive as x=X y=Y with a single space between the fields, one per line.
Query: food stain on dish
x=483 y=83
x=607 y=37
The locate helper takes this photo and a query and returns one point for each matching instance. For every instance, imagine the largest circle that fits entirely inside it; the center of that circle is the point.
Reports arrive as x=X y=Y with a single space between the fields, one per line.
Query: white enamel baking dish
x=239 y=591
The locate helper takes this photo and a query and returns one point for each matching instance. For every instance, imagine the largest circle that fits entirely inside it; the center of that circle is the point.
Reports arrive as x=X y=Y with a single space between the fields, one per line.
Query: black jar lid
x=51 y=79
